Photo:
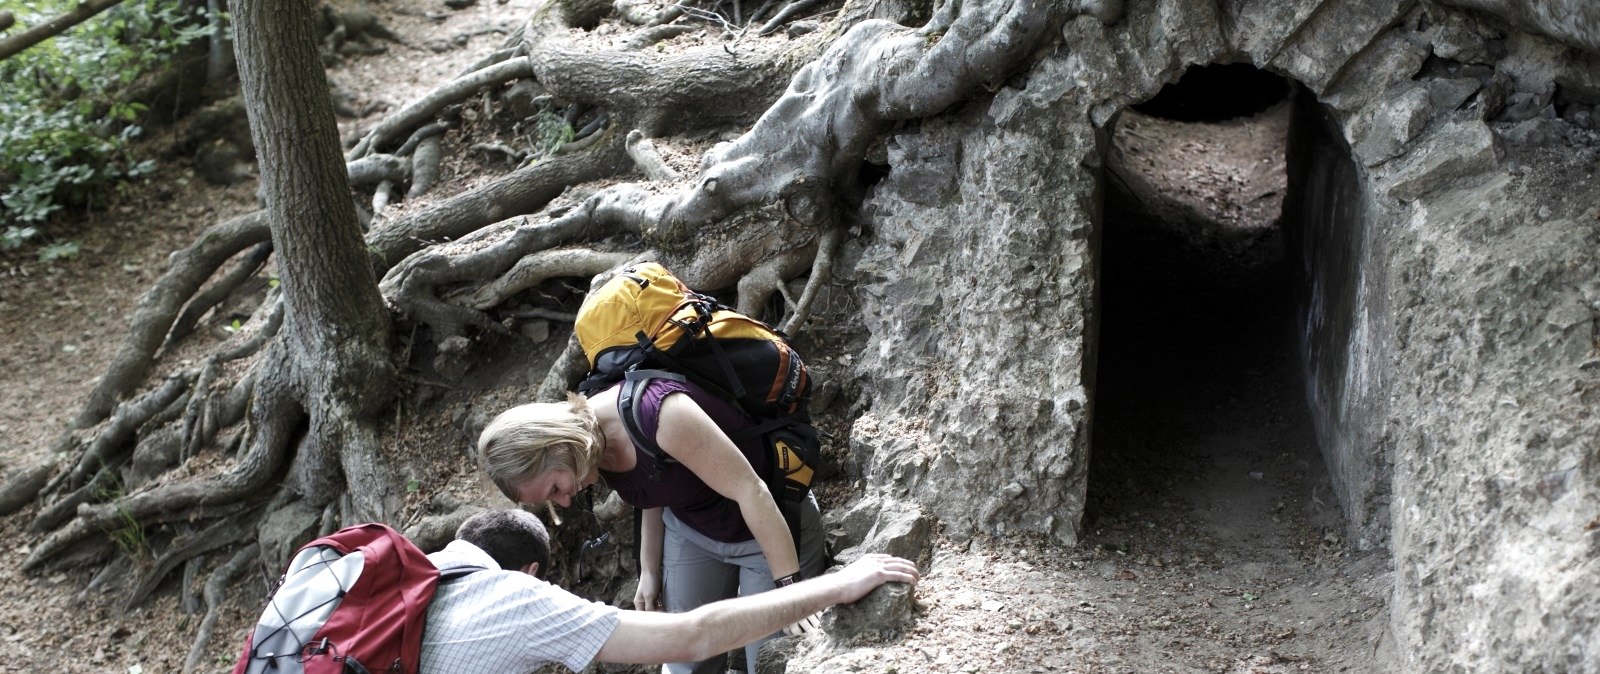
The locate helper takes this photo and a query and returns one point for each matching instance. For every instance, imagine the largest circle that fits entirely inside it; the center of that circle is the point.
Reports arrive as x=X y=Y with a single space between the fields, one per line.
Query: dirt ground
x=1212 y=543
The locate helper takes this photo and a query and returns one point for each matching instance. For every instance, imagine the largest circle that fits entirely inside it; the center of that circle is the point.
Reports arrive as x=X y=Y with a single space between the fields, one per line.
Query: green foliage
x=65 y=250
x=128 y=533
x=129 y=536
x=550 y=131
x=66 y=124
x=14 y=237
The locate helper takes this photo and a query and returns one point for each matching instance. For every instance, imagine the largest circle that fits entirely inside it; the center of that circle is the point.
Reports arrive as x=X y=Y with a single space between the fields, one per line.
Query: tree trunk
x=337 y=328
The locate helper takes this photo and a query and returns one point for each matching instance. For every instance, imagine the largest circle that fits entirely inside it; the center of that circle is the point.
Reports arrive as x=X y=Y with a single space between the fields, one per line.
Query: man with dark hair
x=516 y=539
x=493 y=620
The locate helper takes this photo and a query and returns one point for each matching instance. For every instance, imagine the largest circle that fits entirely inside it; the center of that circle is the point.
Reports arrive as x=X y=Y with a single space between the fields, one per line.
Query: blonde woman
x=711 y=529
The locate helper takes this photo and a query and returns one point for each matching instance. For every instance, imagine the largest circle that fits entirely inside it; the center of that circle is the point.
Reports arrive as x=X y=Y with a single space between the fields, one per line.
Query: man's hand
x=648 y=596
x=866 y=574
x=646 y=638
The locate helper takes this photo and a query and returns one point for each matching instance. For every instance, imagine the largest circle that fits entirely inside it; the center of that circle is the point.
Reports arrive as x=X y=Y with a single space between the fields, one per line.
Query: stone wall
x=981 y=419
x=1340 y=317
x=1461 y=379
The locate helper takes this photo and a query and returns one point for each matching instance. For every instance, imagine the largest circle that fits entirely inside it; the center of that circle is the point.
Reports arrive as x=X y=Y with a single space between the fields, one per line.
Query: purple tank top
x=694 y=502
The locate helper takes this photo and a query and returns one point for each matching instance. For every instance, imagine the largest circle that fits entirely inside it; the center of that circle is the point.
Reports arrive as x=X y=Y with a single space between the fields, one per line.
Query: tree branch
x=15 y=44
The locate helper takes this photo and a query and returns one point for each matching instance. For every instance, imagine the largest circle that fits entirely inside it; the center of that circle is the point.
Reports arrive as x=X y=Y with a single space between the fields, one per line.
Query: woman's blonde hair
x=527 y=441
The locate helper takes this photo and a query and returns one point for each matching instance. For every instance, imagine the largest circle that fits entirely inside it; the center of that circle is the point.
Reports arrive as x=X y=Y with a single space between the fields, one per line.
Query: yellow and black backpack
x=646 y=324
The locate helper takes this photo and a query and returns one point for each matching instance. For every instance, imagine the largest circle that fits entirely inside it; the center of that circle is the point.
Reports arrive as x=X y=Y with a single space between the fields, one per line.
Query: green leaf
x=413 y=486
x=58 y=251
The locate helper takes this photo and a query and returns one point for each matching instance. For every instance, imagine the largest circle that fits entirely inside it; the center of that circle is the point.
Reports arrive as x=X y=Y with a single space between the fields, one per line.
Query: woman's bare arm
x=648 y=596
x=691 y=437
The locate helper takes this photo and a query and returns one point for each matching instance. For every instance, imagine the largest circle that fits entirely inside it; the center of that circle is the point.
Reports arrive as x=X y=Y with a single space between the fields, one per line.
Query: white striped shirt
x=507 y=622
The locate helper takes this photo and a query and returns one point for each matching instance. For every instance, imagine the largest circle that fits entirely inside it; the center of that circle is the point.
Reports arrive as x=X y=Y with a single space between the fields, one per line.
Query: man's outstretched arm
x=648 y=638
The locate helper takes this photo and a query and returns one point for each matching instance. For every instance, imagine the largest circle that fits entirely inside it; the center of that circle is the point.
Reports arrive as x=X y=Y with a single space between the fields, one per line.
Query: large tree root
x=225 y=532
x=649 y=160
x=663 y=94
x=525 y=190
x=790 y=12
x=66 y=507
x=206 y=414
x=424 y=166
x=412 y=284
x=153 y=319
x=424 y=109
x=821 y=273
x=763 y=210
x=275 y=420
x=534 y=269
x=215 y=595
x=128 y=419
x=249 y=263
x=23 y=485
x=375 y=168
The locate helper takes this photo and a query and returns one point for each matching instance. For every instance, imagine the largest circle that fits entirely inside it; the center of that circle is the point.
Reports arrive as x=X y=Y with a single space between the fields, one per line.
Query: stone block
x=875 y=618
x=773 y=658
x=1382 y=134
x=898 y=528
x=1332 y=36
x=1452 y=151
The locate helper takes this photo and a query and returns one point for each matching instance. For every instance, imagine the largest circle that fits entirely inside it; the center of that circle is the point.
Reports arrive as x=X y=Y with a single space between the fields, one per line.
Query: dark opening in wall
x=1217 y=92
x=1200 y=425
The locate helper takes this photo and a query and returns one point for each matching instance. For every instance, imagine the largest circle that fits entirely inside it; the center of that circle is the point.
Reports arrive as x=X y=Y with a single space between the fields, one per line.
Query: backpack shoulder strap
x=629 y=409
x=456 y=572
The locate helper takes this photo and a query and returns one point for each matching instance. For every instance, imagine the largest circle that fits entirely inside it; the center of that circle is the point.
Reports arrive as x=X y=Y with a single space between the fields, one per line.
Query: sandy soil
x=1212 y=543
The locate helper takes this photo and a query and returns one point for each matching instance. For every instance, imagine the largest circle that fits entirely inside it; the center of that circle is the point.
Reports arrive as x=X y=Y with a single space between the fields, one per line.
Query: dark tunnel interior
x=1200 y=422
x=1217 y=92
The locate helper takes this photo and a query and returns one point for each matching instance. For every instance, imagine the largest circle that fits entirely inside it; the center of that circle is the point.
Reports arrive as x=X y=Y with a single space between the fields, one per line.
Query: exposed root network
x=763 y=210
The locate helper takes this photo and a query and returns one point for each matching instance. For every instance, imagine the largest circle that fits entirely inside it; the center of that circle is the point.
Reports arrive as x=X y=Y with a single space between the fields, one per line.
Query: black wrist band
x=788 y=580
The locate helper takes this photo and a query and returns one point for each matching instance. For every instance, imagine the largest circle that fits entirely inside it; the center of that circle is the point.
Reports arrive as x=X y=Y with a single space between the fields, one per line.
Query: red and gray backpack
x=353 y=601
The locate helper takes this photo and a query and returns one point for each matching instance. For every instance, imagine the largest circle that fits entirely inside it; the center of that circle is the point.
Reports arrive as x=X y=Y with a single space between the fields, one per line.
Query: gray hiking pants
x=696 y=570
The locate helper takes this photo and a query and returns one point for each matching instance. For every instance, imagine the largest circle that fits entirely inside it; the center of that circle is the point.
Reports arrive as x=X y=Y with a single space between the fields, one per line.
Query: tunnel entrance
x=1202 y=448
x=1216 y=93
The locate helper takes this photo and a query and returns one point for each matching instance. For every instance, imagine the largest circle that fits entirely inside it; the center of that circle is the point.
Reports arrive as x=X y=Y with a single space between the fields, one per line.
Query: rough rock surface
x=1467 y=326
x=1451 y=350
